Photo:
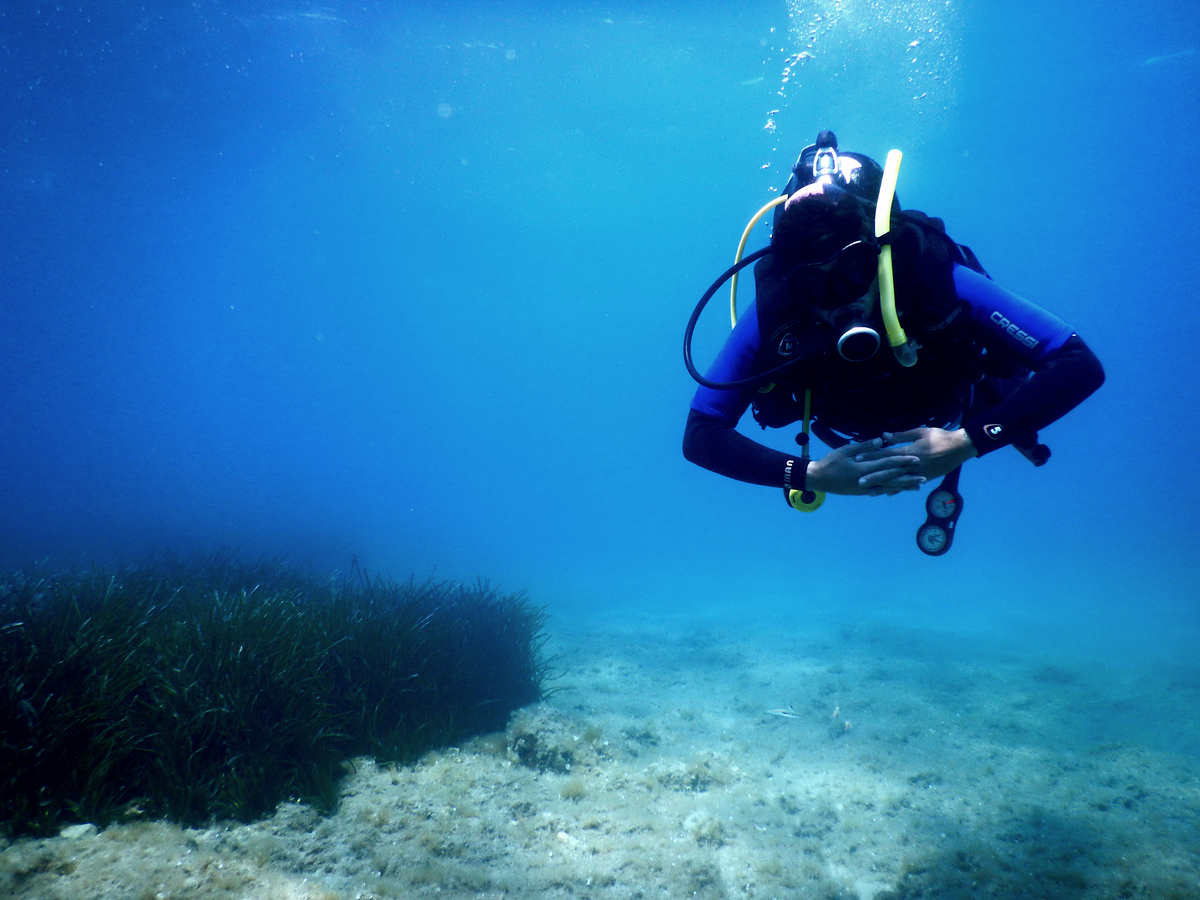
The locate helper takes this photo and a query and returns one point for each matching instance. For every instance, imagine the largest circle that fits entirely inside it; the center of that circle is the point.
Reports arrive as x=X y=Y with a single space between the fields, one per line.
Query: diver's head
x=823 y=163
x=825 y=247
x=826 y=251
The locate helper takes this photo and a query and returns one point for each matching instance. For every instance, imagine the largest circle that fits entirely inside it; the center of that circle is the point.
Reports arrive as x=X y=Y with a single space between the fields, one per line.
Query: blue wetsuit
x=1065 y=372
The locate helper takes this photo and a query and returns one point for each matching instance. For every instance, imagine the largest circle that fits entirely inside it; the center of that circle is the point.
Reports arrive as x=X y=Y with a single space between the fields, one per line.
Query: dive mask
x=832 y=283
x=838 y=279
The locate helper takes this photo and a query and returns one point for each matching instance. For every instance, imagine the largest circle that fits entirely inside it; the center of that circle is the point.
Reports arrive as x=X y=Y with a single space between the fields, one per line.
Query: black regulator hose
x=691 y=325
x=752 y=381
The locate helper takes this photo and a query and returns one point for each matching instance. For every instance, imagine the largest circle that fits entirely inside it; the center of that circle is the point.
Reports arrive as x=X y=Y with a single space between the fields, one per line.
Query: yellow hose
x=738 y=256
x=883 y=224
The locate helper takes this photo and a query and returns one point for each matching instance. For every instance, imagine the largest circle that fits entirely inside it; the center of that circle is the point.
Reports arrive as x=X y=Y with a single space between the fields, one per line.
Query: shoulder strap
x=959 y=253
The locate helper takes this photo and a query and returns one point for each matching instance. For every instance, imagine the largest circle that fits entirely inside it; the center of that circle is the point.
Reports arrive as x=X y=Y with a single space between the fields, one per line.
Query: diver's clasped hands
x=939 y=450
x=901 y=461
x=864 y=470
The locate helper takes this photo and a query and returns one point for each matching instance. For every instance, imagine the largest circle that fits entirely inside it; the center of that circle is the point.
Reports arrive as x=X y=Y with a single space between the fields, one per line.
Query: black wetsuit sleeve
x=1060 y=384
x=713 y=444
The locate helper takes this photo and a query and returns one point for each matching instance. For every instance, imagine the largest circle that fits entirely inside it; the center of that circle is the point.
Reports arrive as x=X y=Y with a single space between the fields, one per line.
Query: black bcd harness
x=863 y=399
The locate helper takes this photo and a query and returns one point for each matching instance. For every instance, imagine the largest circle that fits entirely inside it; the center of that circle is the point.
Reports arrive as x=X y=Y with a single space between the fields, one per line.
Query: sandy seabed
x=696 y=758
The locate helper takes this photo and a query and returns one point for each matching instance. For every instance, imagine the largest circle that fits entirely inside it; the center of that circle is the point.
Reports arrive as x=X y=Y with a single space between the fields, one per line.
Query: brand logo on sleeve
x=946 y=322
x=993 y=431
x=787 y=345
x=1014 y=331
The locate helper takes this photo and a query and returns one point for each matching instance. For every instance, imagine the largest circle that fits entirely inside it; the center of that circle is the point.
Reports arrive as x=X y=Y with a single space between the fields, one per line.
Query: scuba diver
x=970 y=367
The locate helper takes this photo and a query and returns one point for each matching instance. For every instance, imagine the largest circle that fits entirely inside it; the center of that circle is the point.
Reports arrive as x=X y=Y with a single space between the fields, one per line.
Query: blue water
x=407 y=283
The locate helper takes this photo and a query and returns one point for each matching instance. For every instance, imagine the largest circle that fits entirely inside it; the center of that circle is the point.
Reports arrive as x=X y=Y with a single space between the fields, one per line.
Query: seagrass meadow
x=215 y=689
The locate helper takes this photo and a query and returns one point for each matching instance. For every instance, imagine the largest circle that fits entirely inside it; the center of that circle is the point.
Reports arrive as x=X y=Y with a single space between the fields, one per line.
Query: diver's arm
x=1065 y=371
x=714 y=445
x=1064 y=381
x=1059 y=384
x=710 y=438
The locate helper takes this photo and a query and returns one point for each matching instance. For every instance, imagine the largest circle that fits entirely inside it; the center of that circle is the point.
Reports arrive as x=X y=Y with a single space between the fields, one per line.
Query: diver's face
x=840 y=283
x=856 y=311
x=837 y=273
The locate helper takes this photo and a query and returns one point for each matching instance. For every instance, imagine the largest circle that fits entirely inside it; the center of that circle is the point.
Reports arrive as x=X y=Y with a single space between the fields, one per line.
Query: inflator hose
x=906 y=352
